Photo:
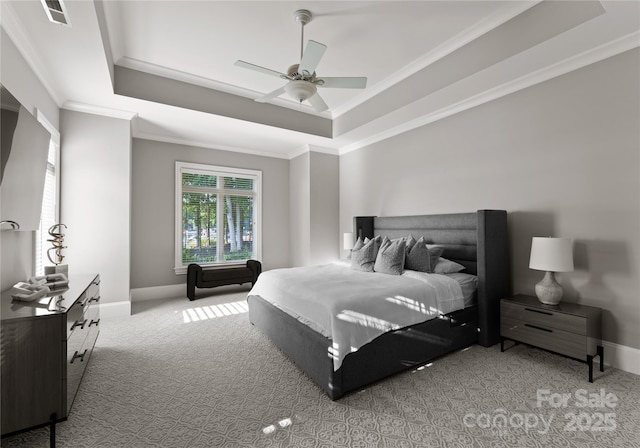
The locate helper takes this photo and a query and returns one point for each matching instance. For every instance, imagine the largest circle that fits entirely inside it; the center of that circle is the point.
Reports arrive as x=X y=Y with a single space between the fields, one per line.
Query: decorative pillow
x=390 y=258
x=410 y=242
x=435 y=252
x=358 y=245
x=418 y=256
x=445 y=266
x=364 y=258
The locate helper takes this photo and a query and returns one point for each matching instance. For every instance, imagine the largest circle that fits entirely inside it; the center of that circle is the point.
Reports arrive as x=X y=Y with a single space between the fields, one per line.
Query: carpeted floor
x=198 y=374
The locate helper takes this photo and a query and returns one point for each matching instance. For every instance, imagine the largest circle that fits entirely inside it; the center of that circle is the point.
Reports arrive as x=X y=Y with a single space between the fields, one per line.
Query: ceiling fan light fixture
x=300 y=90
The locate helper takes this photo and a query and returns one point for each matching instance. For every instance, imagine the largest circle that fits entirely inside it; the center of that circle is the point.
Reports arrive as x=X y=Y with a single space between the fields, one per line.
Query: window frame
x=221 y=171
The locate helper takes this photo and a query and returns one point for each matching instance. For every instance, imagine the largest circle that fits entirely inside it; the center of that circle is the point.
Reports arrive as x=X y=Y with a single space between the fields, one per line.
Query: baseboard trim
x=115 y=309
x=622 y=357
x=159 y=292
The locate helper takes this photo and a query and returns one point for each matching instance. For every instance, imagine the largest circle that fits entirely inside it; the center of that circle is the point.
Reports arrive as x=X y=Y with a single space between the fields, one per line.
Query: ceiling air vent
x=56 y=12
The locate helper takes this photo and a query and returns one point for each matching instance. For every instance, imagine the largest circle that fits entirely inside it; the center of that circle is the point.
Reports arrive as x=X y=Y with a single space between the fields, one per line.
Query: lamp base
x=548 y=290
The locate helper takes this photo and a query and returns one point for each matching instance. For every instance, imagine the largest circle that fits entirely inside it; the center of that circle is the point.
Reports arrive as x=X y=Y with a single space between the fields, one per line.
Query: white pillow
x=445 y=266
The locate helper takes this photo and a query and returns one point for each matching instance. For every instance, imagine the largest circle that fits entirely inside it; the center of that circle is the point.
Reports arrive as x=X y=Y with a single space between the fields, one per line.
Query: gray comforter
x=353 y=308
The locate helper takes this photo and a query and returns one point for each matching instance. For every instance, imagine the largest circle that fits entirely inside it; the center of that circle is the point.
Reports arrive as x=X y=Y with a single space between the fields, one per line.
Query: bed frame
x=476 y=240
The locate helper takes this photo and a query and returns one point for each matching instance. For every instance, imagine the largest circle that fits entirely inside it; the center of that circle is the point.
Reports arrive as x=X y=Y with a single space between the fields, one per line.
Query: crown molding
x=551 y=71
x=99 y=110
x=208 y=145
x=461 y=39
x=16 y=32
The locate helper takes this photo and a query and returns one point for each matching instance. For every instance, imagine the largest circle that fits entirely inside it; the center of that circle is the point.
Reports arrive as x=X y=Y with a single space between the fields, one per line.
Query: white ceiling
x=404 y=48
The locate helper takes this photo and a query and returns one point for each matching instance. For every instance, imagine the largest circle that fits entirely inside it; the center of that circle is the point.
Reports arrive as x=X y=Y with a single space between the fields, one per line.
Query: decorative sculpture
x=56 y=241
x=55 y=252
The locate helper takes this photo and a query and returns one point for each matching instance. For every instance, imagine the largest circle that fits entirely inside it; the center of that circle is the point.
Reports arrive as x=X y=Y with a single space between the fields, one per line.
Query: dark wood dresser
x=46 y=346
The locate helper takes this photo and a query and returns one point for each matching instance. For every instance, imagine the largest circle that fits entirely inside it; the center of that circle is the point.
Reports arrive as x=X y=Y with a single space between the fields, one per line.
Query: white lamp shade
x=347 y=241
x=551 y=254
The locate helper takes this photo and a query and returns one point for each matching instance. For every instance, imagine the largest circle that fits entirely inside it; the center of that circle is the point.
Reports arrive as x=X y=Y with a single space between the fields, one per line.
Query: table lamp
x=551 y=255
x=347 y=241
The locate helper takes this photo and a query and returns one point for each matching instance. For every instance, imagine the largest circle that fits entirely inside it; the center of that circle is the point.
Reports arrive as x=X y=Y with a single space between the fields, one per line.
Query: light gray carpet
x=156 y=380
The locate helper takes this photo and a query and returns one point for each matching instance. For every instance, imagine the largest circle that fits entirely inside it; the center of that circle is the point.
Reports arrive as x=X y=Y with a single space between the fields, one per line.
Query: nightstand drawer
x=545 y=317
x=544 y=336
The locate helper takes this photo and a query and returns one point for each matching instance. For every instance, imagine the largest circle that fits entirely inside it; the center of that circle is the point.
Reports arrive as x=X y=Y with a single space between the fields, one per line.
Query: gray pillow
x=435 y=252
x=418 y=257
x=410 y=242
x=390 y=257
x=358 y=245
x=364 y=258
x=445 y=266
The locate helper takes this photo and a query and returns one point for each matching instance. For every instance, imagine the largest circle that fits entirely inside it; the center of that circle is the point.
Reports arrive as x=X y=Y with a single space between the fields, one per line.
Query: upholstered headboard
x=476 y=240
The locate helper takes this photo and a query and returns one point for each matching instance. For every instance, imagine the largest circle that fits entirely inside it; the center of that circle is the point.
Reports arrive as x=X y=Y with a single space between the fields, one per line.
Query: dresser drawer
x=75 y=316
x=93 y=291
x=544 y=336
x=545 y=317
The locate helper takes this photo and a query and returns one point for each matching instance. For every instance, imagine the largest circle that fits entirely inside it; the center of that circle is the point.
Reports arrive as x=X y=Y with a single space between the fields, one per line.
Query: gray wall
x=300 y=209
x=324 y=199
x=561 y=157
x=313 y=198
x=153 y=214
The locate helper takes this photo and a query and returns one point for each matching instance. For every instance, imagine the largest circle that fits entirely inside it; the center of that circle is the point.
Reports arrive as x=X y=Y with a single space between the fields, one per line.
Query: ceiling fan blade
x=311 y=57
x=257 y=68
x=318 y=103
x=344 y=82
x=270 y=95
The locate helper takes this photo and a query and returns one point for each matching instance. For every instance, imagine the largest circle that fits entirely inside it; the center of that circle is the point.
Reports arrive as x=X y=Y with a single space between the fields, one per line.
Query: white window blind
x=217 y=215
x=49 y=213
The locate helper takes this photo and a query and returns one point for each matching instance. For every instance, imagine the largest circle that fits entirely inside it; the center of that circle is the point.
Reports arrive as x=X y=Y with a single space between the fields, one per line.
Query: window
x=50 y=210
x=218 y=218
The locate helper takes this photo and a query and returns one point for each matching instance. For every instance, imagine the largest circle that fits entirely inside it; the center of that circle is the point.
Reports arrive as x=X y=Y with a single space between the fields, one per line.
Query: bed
x=477 y=240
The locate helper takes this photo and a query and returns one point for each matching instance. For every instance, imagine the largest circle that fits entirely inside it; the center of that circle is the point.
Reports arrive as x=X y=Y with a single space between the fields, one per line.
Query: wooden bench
x=210 y=278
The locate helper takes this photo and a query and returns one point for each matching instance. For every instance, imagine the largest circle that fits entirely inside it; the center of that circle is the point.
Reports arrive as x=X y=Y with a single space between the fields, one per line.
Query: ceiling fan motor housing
x=293 y=74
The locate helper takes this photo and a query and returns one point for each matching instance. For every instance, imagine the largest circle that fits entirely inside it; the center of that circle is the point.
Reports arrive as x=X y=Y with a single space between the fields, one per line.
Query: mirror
x=23 y=154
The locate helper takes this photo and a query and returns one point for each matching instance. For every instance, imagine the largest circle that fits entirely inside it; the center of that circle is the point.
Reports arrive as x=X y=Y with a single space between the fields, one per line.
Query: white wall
x=562 y=157
x=95 y=200
x=16 y=248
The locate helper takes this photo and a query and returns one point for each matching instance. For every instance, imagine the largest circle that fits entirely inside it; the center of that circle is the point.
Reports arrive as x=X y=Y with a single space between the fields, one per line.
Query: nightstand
x=568 y=329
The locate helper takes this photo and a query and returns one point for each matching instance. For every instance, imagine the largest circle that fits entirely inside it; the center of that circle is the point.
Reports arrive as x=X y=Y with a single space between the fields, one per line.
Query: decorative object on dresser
x=57 y=243
x=568 y=329
x=551 y=255
x=46 y=345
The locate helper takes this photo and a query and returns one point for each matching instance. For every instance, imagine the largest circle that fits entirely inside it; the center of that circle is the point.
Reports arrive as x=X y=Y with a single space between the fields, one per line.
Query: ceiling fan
x=303 y=82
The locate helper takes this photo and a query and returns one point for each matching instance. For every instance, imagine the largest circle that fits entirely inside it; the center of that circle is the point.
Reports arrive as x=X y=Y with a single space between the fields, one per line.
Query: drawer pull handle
x=94 y=322
x=77 y=356
x=539 y=311
x=538 y=328
x=78 y=324
x=94 y=299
